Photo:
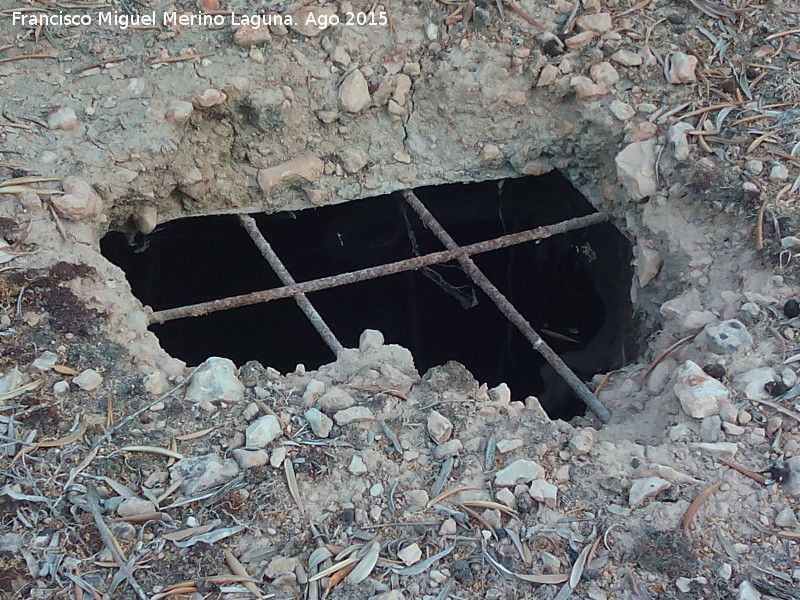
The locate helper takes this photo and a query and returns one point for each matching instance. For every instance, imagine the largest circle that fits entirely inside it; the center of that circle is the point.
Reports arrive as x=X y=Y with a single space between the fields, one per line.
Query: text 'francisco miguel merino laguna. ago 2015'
x=150 y=19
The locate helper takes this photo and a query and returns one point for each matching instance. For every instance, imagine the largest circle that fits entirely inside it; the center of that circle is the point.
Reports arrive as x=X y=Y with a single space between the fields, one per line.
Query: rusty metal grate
x=453 y=251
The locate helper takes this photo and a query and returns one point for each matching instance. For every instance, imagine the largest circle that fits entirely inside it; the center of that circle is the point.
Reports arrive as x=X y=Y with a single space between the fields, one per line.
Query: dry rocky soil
x=125 y=474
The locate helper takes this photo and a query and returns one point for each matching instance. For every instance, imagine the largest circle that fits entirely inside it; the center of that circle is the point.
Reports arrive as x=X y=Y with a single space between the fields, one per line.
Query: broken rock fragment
x=80 y=203
x=215 y=381
x=641 y=489
x=648 y=261
x=303 y=168
x=335 y=399
x=599 y=23
x=728 y=336
x=200 y=473
x=677 y=137
x=585 y=88
x=751 y=383
x=320 y=424
x=263 y=431
x=179 y=112
x=354 y=92
x=604 y=74
x=636 y=169
x=700 y=395
x=681 y=68
x=627 y=58
x=520 y=471
x=439 y=427
x=543 y=491
x=133 y=506
x=89 y=380
x=250 y=459
x=62 y=117
x=209 y=98
x=353 y=414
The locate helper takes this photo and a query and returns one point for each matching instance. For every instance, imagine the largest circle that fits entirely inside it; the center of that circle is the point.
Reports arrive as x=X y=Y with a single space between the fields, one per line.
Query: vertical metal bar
x=511 y=313
x=286 y=278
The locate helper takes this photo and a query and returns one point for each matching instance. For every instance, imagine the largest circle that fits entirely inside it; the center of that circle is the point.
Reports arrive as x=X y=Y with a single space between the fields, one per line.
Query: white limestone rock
x=370 y=339
x=62 y=117
x=581 y=443
x=45 y=361
x=80 y=203
x=310 y=21
x=354 y=92
x=313 y=391
x=681 y=68
x=250 y=459
x=598 y=23
x=747 y=591
x=335 y=399
x=543 y=491
x=641 y=489
x=200 y=473
x=627 y=58
x=622 y=111
x=687 y=311
x=751 y=383
x=787 y=518
x=319 y=422
x=699 y=394
x=89 y=380
x=439 y=427
x=262 y=431
x=277 y=456
x=306 y=168
x=636 y=169
x=215 y=381
x=648 y=261
x=519 y=471
x=728 y=336
x=353 y=414
x=357 y=466
x=677 y=137
x=451 y=448
x=604 y=74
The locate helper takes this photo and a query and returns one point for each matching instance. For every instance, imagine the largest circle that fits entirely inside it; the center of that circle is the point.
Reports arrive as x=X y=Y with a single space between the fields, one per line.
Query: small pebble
x=62 y=117
x=779 y=173
x=754 y=166
x=89 y=380
x=449 y=527
x=357 y=466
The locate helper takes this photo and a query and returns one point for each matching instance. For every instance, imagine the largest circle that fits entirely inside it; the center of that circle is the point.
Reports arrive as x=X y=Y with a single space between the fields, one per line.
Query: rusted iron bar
x=249 y=224
x=511 y=313
x=410 y=264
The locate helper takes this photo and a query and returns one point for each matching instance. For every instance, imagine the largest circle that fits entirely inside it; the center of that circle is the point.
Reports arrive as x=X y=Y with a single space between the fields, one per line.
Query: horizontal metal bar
x=508 y=310
x=410 y=264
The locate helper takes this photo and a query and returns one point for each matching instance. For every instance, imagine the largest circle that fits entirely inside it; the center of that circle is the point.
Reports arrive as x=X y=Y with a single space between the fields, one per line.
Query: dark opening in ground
x=573 y=288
